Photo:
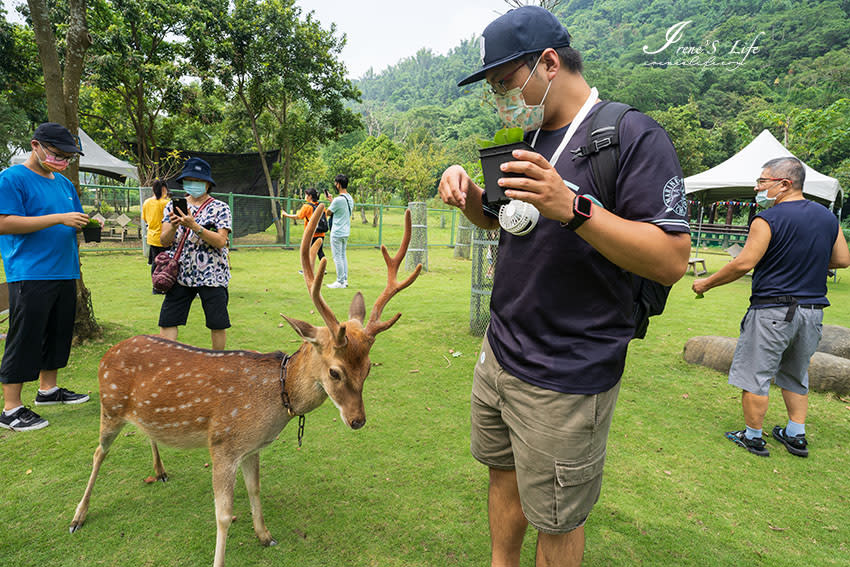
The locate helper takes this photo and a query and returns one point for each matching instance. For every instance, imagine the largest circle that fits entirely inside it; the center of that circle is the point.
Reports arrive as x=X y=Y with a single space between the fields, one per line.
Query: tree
x=21 y=91
x=138 y=61
x=374 y=166
x=62 y=90
x=281 y=67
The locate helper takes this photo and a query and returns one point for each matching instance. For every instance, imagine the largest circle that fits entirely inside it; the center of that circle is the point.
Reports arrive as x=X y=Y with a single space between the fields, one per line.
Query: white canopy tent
x=734 y=179
x=96 y=160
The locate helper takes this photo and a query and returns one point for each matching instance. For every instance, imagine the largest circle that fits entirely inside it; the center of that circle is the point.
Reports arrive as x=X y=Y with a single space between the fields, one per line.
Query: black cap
x=59 y=137
x=525 y=30
x=196 y=168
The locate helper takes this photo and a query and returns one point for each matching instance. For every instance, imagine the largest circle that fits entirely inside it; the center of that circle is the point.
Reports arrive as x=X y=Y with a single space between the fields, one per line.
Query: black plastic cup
x=491 y=161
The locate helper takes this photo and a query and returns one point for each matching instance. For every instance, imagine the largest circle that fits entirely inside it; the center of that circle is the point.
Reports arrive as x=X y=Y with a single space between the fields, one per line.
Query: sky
x=380 y=33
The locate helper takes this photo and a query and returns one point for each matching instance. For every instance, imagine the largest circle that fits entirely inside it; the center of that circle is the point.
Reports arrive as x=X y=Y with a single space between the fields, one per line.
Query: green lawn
x=404 y=491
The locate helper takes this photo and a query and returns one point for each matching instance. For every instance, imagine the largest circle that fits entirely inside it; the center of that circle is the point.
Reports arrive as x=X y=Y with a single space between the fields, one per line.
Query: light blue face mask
x=762 y=200
x=195 y=188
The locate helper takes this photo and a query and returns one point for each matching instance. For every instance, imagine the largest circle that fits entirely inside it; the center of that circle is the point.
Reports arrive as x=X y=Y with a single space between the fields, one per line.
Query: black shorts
x=178 y=300
x=41 y=326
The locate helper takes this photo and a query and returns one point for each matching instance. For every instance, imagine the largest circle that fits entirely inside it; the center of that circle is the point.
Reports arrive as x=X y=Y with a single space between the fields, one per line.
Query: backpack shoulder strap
x=603 y=149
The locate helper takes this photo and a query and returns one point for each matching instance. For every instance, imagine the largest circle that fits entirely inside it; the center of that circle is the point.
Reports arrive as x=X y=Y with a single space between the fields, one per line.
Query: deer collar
x=284 y=395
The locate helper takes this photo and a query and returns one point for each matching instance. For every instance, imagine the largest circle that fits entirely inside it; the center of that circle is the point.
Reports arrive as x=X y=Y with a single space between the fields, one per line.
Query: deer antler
x=376 y=326
x=314 y=284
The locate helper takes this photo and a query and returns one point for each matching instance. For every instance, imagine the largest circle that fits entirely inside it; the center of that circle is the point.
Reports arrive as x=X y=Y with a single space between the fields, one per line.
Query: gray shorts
x=771 y=348
x=554 y=441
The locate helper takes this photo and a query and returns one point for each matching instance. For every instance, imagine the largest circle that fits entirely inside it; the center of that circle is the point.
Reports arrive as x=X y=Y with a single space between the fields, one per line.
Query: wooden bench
x=692 y=265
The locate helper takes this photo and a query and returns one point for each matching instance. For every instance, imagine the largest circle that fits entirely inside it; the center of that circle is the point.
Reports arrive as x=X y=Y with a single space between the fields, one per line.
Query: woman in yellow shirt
x=152 y=211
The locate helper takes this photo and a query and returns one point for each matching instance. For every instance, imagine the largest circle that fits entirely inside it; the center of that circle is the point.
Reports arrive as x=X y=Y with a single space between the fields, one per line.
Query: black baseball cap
x=59 y=137
x=522 y=31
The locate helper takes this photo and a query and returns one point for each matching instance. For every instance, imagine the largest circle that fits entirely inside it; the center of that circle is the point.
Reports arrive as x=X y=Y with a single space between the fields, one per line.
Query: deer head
x=339 y=352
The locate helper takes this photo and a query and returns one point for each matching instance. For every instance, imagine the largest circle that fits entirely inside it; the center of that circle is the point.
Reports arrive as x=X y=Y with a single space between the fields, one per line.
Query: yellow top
x=152 y=214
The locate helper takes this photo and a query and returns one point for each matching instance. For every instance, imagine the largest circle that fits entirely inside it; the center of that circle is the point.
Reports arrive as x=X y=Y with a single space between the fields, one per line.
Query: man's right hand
x=74 y=220
x=454 y=186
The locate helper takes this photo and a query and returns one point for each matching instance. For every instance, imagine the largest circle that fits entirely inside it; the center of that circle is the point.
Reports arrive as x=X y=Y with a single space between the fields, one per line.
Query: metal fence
x=485 y=254
x=371 y=225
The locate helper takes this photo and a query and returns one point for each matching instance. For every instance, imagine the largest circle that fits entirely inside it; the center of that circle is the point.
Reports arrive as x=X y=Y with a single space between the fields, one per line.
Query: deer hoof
x=272 y=542
x=74 y=527
x=163 y=477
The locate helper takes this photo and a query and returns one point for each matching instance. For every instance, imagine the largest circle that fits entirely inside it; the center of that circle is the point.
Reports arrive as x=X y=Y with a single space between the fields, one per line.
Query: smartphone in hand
x=180 y=202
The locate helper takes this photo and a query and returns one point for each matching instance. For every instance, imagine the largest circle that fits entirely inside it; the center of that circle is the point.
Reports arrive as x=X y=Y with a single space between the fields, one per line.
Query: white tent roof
x=735 y=178
x=95 y=160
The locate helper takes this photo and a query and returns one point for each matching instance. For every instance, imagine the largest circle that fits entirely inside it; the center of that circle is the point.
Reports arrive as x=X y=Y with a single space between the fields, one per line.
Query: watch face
x=583 y=205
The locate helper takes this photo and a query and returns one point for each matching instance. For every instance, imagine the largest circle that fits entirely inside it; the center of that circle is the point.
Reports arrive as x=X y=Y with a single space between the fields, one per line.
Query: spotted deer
x=237 y=402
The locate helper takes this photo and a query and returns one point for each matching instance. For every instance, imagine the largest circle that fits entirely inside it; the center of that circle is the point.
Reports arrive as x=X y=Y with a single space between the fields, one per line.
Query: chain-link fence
x=485 y=253
x=254 y=223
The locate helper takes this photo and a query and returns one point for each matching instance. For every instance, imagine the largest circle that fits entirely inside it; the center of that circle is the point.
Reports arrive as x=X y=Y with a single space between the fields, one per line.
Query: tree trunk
x=278 y=225
x=62 y=93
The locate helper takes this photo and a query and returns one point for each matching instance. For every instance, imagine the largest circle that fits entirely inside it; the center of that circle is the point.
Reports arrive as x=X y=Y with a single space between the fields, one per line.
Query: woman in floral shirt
x=204 y=268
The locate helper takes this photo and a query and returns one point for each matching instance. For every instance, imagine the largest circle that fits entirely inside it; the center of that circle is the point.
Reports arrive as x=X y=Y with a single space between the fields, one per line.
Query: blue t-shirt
x=802 y=234
x=561 y=314
x=341 y=207
x=46 y=254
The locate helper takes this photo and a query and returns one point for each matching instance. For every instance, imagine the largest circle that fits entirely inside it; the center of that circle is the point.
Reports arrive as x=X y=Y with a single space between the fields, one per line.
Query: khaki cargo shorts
x=554 y=441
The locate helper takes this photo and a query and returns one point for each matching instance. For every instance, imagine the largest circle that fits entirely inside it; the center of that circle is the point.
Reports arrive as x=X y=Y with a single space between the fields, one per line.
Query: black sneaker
x=796 y=445
x=22 y=420
x=60 y=396
x=756 y=446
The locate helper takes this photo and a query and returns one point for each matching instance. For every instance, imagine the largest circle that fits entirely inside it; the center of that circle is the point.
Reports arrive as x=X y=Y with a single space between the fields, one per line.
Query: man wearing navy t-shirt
x=40 y=214
x=790 y=248
x=546 y=381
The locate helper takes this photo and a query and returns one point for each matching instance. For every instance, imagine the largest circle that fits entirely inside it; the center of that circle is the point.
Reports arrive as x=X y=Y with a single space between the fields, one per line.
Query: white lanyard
x=579 y=118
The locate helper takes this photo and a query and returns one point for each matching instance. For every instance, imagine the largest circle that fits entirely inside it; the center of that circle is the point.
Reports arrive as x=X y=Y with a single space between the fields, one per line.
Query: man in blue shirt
x=40 y=214
x=340 y=210
x=790 y=247
x=547 y=377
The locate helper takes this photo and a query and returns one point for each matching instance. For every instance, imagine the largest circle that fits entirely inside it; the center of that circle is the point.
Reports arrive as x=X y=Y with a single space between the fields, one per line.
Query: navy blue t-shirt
x=561 y=314
x=802 y=234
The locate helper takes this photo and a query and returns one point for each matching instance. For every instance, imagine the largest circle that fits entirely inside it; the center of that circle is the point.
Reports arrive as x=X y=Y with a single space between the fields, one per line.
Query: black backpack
x=603 y=149
x=322 y=225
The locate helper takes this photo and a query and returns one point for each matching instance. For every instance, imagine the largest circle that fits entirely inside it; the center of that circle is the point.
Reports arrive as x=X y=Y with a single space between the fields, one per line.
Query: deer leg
x=251 y=474
x=109 y=430
x=224 y=479
x=157 y=463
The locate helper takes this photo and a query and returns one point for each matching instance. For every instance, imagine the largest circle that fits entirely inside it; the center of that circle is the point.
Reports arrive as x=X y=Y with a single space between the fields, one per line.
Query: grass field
x=404 y=491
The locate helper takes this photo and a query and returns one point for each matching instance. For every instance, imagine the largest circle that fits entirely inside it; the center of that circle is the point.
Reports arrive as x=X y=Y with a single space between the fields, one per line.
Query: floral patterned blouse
x=200 y=263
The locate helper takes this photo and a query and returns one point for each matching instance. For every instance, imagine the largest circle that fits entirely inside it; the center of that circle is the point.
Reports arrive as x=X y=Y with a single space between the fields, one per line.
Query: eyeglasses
x=60 y=157
x=499 y=87
x=762 y=180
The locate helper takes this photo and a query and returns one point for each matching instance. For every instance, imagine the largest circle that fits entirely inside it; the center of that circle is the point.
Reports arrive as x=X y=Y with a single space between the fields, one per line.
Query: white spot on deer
x=106 y=374
x=126 y=398
x=113 y=386
x=154 y=395
x=234 y=412
x=180 y=394
x=200 y=419
x=227 y=429
x=185 y=423
x=206 y=400
x=172 y=410
x=168 y=382
x=230 y=390
x=167 y=369
x=147 y=402
x=247 y=406
x=115 y=407
x=150 y=364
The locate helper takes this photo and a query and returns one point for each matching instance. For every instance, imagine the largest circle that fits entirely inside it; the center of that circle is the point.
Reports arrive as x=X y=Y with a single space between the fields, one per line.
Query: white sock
x=48 y=392
x=12 y=411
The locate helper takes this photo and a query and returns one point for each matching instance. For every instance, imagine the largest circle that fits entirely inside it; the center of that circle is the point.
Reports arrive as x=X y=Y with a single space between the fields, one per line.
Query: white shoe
x=337 y=285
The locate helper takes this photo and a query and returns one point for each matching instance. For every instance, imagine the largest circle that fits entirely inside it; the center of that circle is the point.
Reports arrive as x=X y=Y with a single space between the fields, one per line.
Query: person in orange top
x=306 y=212
x=152 y=212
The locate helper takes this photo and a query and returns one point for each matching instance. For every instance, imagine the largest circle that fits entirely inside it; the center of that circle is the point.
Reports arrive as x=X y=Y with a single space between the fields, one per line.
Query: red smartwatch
x=582 y=210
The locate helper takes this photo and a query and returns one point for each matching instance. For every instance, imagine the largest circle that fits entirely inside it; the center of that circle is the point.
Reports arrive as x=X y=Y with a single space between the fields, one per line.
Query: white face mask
x=763 y=200
x=514 y=111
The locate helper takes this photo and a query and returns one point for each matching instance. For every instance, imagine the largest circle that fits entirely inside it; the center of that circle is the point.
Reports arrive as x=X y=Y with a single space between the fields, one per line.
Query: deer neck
x=301 y=386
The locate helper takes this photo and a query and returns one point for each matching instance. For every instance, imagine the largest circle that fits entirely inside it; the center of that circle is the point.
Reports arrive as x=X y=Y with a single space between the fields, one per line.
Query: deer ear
x=305 y=330
x=358 y=308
